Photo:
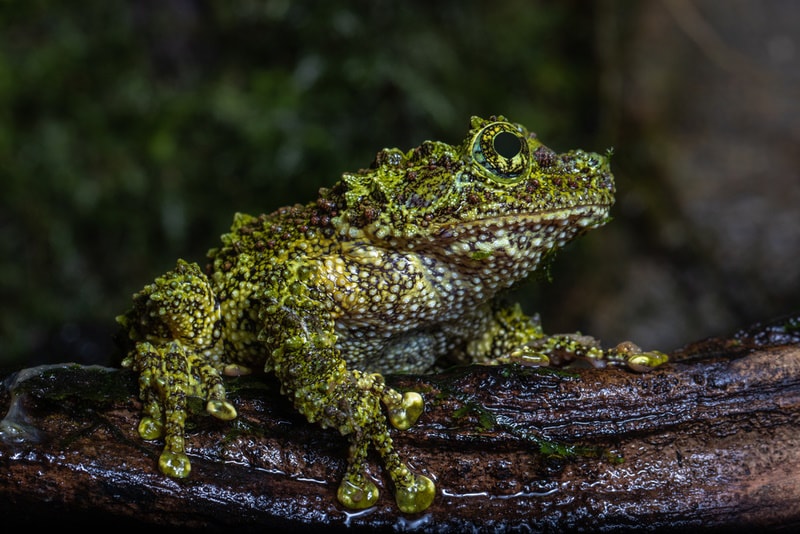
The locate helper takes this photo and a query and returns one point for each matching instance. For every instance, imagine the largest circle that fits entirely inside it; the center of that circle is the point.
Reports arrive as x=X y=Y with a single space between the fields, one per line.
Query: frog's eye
x=501 y=150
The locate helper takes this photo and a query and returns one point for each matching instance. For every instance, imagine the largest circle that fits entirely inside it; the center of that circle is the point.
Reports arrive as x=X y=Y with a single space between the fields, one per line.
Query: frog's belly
x=413 y=351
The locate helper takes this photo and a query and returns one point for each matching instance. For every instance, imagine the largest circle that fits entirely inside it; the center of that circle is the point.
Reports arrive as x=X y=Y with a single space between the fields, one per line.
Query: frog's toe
x=236 y=369
x=638 y=360
x=646 y=361
x=357 y=494
x=526 y=355
x=174 y=464
x=405 y=414
x=416 y=497
x=150 y=428
x=221 y=409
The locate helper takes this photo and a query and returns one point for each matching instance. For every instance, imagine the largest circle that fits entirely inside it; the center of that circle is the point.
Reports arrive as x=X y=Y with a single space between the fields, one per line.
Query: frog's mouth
x=568 y=223
x=510 y=246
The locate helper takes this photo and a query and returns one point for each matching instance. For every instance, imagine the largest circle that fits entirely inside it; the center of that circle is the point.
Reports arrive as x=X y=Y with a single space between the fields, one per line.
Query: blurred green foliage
x=130 y=132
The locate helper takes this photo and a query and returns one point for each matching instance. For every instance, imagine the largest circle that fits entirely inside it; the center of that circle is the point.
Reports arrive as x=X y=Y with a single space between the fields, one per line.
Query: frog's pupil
x=506 y=144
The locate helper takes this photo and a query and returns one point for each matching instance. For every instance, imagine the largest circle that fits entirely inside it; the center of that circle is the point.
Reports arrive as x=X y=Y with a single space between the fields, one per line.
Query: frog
x=396 y=268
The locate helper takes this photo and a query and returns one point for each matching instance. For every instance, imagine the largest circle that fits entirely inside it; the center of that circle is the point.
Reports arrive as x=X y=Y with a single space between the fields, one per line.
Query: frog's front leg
x=366 y=425
x=508 y=334
x=314 y=374
x=172 y=329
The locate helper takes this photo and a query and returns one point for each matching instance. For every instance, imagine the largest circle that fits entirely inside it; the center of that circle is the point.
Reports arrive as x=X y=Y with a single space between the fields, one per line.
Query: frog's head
x=500 y=194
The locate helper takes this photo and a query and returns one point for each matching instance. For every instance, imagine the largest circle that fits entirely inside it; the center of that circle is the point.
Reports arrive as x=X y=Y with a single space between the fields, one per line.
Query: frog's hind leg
x=174 y=327
x=509 y=335
x=563 y=348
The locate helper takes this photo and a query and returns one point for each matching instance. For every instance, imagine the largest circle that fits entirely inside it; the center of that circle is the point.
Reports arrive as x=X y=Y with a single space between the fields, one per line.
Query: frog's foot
x=169 y=374
x=628 y=353
x=413 y=493
x=561 y=349
x=367 y=426
x=211 y=387
x=356 y=491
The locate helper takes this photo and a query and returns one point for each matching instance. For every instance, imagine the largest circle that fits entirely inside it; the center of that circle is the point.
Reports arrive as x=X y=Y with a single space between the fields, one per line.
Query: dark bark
x=712 y=440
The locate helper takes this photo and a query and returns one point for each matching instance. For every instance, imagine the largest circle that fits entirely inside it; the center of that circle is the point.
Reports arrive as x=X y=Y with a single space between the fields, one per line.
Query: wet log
x=710 y=441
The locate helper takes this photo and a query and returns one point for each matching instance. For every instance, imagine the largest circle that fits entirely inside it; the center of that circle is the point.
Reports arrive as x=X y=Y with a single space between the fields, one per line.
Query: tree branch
x=708 y=441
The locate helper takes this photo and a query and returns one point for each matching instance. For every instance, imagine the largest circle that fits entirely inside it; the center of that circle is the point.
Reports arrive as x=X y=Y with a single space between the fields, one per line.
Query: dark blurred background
x=130 y=132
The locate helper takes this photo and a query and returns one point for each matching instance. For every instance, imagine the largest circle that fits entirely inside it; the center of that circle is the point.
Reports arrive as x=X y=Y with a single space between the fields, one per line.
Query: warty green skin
x=393 y=269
